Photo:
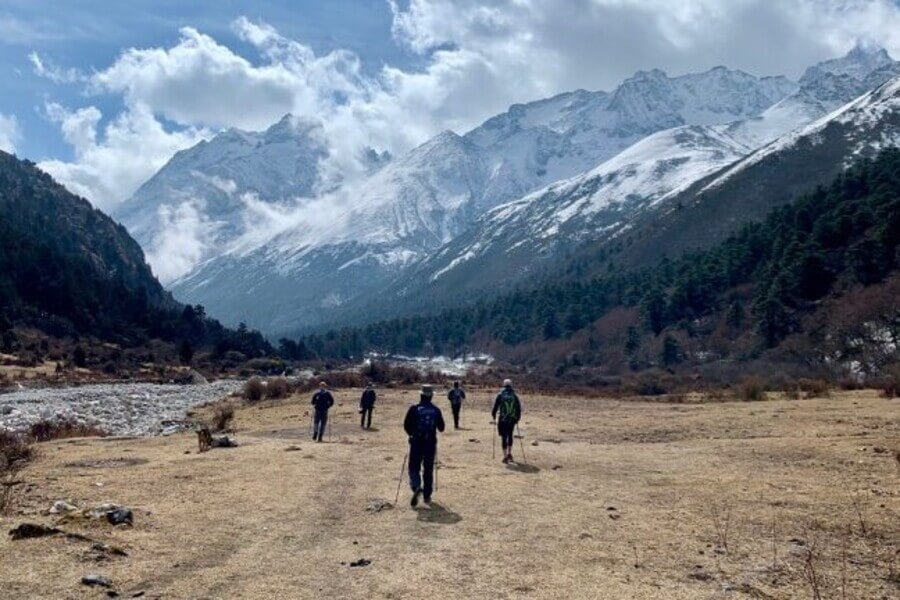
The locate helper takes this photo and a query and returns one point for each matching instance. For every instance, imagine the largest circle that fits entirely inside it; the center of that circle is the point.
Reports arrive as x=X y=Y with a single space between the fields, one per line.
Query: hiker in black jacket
x=422 y=423
x=366 y=405
x=509 y=410
x=322 y=400
x=456 y=395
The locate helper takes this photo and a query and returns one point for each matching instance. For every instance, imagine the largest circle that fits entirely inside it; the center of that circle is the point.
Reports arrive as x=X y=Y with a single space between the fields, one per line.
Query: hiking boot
x=414 y=501
x=427 y=499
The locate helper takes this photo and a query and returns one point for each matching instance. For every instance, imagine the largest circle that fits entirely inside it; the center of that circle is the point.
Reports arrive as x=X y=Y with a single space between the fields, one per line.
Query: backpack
x=507 y=405
x=426 y=422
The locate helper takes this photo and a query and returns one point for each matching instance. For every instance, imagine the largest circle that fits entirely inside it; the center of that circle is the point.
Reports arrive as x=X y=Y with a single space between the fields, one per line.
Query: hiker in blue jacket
x=366 y=406
x=322 y=400
x=422 y=423
x=507 y=411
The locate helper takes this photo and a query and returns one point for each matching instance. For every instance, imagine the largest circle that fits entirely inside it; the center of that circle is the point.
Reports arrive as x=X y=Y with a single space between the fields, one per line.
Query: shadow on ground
x=523 y=468
x=437 y=513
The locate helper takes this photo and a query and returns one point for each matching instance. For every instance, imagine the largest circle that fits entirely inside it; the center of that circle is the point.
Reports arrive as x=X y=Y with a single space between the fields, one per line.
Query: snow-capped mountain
x=523 y=236
x=768 y=177
x=426 y=198
x=201 y=193
x=338 y=248
x=822 y=88
x=286 y=250
x=535 y=144
x=514 y=237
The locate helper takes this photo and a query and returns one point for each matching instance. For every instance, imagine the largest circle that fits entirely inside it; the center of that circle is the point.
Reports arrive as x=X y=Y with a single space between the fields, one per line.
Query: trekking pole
x=400 y=481
x=522 y=443
x=493 y=442
x=437 y=468
x=329 y=430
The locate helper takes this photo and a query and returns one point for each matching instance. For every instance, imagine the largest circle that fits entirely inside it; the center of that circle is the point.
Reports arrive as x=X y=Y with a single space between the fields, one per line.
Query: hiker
x=422 y=423
x=509 y=410
x=322 y=400
x=456 y=395
x=366 y=405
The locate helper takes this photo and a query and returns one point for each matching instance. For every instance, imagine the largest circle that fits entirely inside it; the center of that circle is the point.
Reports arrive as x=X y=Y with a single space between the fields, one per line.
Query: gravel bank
x=119 y=408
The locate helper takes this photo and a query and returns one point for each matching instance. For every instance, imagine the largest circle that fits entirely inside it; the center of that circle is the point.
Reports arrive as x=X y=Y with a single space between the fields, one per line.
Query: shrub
x=60 y=429
x=815 y=388
x=223 y=415
x=14 y=451
x=254 y=389
x=277 y=388
x=752 y=390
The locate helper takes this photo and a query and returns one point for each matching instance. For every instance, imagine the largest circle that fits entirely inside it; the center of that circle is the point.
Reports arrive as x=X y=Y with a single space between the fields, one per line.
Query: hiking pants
x=506 y=429
x=366 y=414
x=421 y=465
x=455 y=406
x=319 y=422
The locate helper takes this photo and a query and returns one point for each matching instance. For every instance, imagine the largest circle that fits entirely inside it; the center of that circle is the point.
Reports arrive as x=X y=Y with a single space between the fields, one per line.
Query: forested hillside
x=796 y=280
x=70 y=272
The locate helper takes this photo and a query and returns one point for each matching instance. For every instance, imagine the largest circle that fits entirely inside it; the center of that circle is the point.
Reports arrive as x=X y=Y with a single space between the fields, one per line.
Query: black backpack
x=426 y=421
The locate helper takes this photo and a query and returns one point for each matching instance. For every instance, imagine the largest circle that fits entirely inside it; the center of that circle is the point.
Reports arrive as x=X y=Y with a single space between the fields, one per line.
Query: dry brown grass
x=61 y=429
x=620 y=499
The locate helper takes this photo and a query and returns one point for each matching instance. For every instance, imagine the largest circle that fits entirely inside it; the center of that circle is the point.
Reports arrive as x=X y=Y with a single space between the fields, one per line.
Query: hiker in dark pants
x=322 y=401
x=456 y=395
x=507 y=411
x=422 y=423
x=366 y=405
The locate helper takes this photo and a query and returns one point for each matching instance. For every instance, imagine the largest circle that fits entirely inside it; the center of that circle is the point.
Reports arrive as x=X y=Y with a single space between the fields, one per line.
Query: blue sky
x=101 y=93
x=89 y=34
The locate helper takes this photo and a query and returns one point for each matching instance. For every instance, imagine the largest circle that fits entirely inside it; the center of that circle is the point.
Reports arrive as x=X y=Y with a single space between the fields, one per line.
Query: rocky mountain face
x=466 y=214
x=65 y=266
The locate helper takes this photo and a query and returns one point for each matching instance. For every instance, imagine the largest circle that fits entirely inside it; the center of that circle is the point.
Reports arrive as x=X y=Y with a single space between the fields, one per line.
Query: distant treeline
x=758 y=285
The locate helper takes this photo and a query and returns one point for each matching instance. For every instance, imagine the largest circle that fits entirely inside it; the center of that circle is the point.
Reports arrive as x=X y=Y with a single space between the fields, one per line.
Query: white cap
x=507 y=383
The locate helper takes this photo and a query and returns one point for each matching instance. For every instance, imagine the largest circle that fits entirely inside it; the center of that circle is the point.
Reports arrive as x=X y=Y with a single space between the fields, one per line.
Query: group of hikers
x=422 y=423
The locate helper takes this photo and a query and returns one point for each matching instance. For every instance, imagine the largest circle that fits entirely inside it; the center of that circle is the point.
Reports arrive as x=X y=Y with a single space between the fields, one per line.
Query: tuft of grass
x=752 y=389
x=815 y=388
x=254 y=390
x=61 y=429
x=15 y=451
x=277 y=387
x=223 y=415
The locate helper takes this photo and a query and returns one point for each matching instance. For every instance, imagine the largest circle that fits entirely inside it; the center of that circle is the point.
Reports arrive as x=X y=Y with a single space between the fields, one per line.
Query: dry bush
x=61 y=429
x=15 y=451
x=223 y=415
x=277 y=388
x=752 y=389
x=815 y=388
x=890 y=387
x=254 y=390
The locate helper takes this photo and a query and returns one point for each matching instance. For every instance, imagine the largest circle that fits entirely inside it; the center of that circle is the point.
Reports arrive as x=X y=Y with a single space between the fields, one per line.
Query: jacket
x=322 y=400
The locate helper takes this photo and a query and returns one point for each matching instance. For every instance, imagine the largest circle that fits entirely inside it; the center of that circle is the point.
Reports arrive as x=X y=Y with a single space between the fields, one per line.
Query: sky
x=102 y=93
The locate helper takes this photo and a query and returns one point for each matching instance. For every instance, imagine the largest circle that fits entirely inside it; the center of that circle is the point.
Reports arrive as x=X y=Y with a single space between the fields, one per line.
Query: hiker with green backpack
x=507 y=411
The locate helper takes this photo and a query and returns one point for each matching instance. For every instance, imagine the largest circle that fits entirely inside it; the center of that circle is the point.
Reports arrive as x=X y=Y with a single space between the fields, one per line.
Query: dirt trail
x=617 y=500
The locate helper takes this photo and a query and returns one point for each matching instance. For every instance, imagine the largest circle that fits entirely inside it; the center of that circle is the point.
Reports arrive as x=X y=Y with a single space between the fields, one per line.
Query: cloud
x=183 y=241
x=10 y=133
x=111 y=164
x=47 y=69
